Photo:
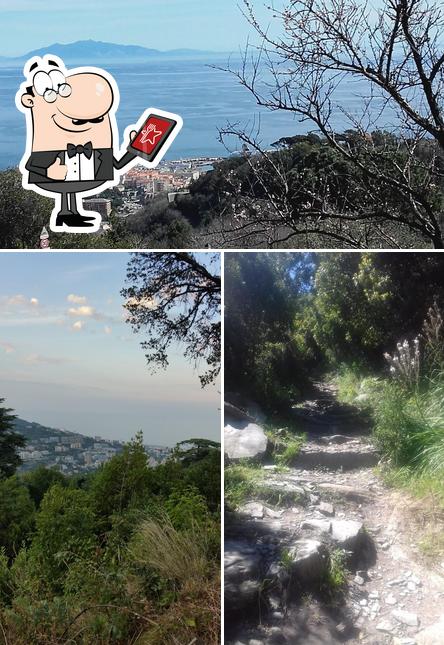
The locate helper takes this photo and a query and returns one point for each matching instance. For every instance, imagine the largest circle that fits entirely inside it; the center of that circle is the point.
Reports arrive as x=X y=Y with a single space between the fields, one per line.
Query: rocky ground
x=330 y=514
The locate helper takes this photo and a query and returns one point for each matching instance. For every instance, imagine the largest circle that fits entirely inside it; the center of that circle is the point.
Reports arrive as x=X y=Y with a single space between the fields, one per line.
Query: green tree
x=361 y=304
x=262 y=295
x=16 y=515
x=123 y=481
x=65 y=530
x=351 y=298
x=40 y=479
x=10 y=442
x=23 y=213
x=175 y=297
x=160 y=225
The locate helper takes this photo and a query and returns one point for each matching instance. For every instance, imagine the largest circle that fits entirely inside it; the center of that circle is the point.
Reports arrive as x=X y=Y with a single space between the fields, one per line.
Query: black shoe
x=74 y=221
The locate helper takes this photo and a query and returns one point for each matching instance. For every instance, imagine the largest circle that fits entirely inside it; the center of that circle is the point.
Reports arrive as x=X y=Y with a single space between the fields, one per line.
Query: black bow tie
x=73 y=150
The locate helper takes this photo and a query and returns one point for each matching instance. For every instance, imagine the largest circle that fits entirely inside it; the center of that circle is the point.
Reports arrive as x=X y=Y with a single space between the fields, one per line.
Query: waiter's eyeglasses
x=63 y=90
x=51 y=85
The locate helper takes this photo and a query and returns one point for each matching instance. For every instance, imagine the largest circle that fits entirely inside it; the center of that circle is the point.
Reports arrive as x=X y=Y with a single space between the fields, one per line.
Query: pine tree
x=10 y=442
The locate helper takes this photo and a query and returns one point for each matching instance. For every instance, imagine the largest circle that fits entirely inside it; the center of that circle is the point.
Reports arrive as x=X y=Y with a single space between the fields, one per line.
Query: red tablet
x=152 y=136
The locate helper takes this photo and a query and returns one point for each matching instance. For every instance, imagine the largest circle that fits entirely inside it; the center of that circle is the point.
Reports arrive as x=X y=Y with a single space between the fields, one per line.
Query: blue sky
x=160 y=24
x=68 y=359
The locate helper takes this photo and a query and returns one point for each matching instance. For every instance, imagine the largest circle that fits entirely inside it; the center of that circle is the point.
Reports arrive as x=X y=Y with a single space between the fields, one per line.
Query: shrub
x=241 y=482
x=409 y=428
x=187 y=508
x=405 y=363
x=16 y=514
x=336 y=578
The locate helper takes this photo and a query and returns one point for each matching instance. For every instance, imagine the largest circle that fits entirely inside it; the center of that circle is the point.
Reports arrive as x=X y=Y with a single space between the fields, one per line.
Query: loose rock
x=390 y=599
x=346 y=533
x=253 y=509
x=244 y=440
x=385 y=626
x=405 y=617
x=309 y=560
x=318 y=525
x=326 y=509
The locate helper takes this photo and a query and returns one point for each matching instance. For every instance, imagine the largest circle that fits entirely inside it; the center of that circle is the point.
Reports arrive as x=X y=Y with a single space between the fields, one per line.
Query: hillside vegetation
x=127 y=554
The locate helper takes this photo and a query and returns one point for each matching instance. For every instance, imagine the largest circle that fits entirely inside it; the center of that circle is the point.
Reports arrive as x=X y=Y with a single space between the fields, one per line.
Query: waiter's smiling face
x=72 y=109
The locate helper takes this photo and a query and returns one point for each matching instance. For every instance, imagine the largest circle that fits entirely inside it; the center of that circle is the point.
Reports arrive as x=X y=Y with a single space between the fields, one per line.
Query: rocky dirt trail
x=280 y=556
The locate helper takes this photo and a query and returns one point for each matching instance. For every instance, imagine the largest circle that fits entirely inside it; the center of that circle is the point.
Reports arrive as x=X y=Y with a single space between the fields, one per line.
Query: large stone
x=348 y=492
x=316 y=525
x=406 y=617
x=347 y=533
x=326 y=509
x=253 y=509
x=244 y=439
x=310 y=560
x=432 y=635
x=242 y=565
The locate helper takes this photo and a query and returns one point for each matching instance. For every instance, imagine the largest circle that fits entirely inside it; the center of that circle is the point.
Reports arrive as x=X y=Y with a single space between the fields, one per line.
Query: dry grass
x=195 y=618
x=174 y=555
x=182 y=558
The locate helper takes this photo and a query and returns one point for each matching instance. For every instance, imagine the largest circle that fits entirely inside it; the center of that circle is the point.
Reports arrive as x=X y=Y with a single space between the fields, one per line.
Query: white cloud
x=142 y=303
x=84 y=310
x=107 y=330
x=76 y=300
x=78 y=325
x=18 y=299
x=38 y=359
x=7 y=348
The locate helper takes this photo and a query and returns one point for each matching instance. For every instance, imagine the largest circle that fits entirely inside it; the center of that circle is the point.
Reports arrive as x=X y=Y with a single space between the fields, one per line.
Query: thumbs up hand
x=57 y=171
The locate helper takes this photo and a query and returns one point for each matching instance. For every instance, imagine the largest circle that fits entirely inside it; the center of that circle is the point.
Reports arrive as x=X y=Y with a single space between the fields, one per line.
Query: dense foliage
x=292 y=315
x=128 y=553
x=10 y=442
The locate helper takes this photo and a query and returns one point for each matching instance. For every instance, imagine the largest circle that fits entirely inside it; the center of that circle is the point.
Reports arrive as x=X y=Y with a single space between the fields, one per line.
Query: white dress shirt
x=80 y=168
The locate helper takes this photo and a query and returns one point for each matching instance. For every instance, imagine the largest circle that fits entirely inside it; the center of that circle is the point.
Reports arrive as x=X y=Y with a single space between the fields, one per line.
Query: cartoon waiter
x=72 y=134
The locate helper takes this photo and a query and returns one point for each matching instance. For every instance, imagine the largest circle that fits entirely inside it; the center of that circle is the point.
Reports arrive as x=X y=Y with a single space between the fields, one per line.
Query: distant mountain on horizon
x=94 y=50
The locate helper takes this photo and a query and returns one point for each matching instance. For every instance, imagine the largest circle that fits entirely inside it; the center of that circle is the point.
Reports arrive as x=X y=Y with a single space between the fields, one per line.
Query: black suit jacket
x=104 y=164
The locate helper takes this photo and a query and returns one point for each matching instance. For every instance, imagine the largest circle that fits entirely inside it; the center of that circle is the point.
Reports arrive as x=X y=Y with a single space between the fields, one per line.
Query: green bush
x=271 y=379
x=186 y=508
x=409 y=426
x=16 y=515
x=5 y=579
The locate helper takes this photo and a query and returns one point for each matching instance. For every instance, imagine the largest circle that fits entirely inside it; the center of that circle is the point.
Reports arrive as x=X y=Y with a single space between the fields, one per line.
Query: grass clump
x=409 y=425
x=336 y=577
x=244 y=482
x=286 y=560
x=241 y=483
x=286 y=444
x=161 y=551
x=291 y=451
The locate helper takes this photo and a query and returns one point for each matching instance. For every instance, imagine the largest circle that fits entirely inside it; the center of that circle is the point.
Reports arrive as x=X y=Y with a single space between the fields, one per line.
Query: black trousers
x=69 y=188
